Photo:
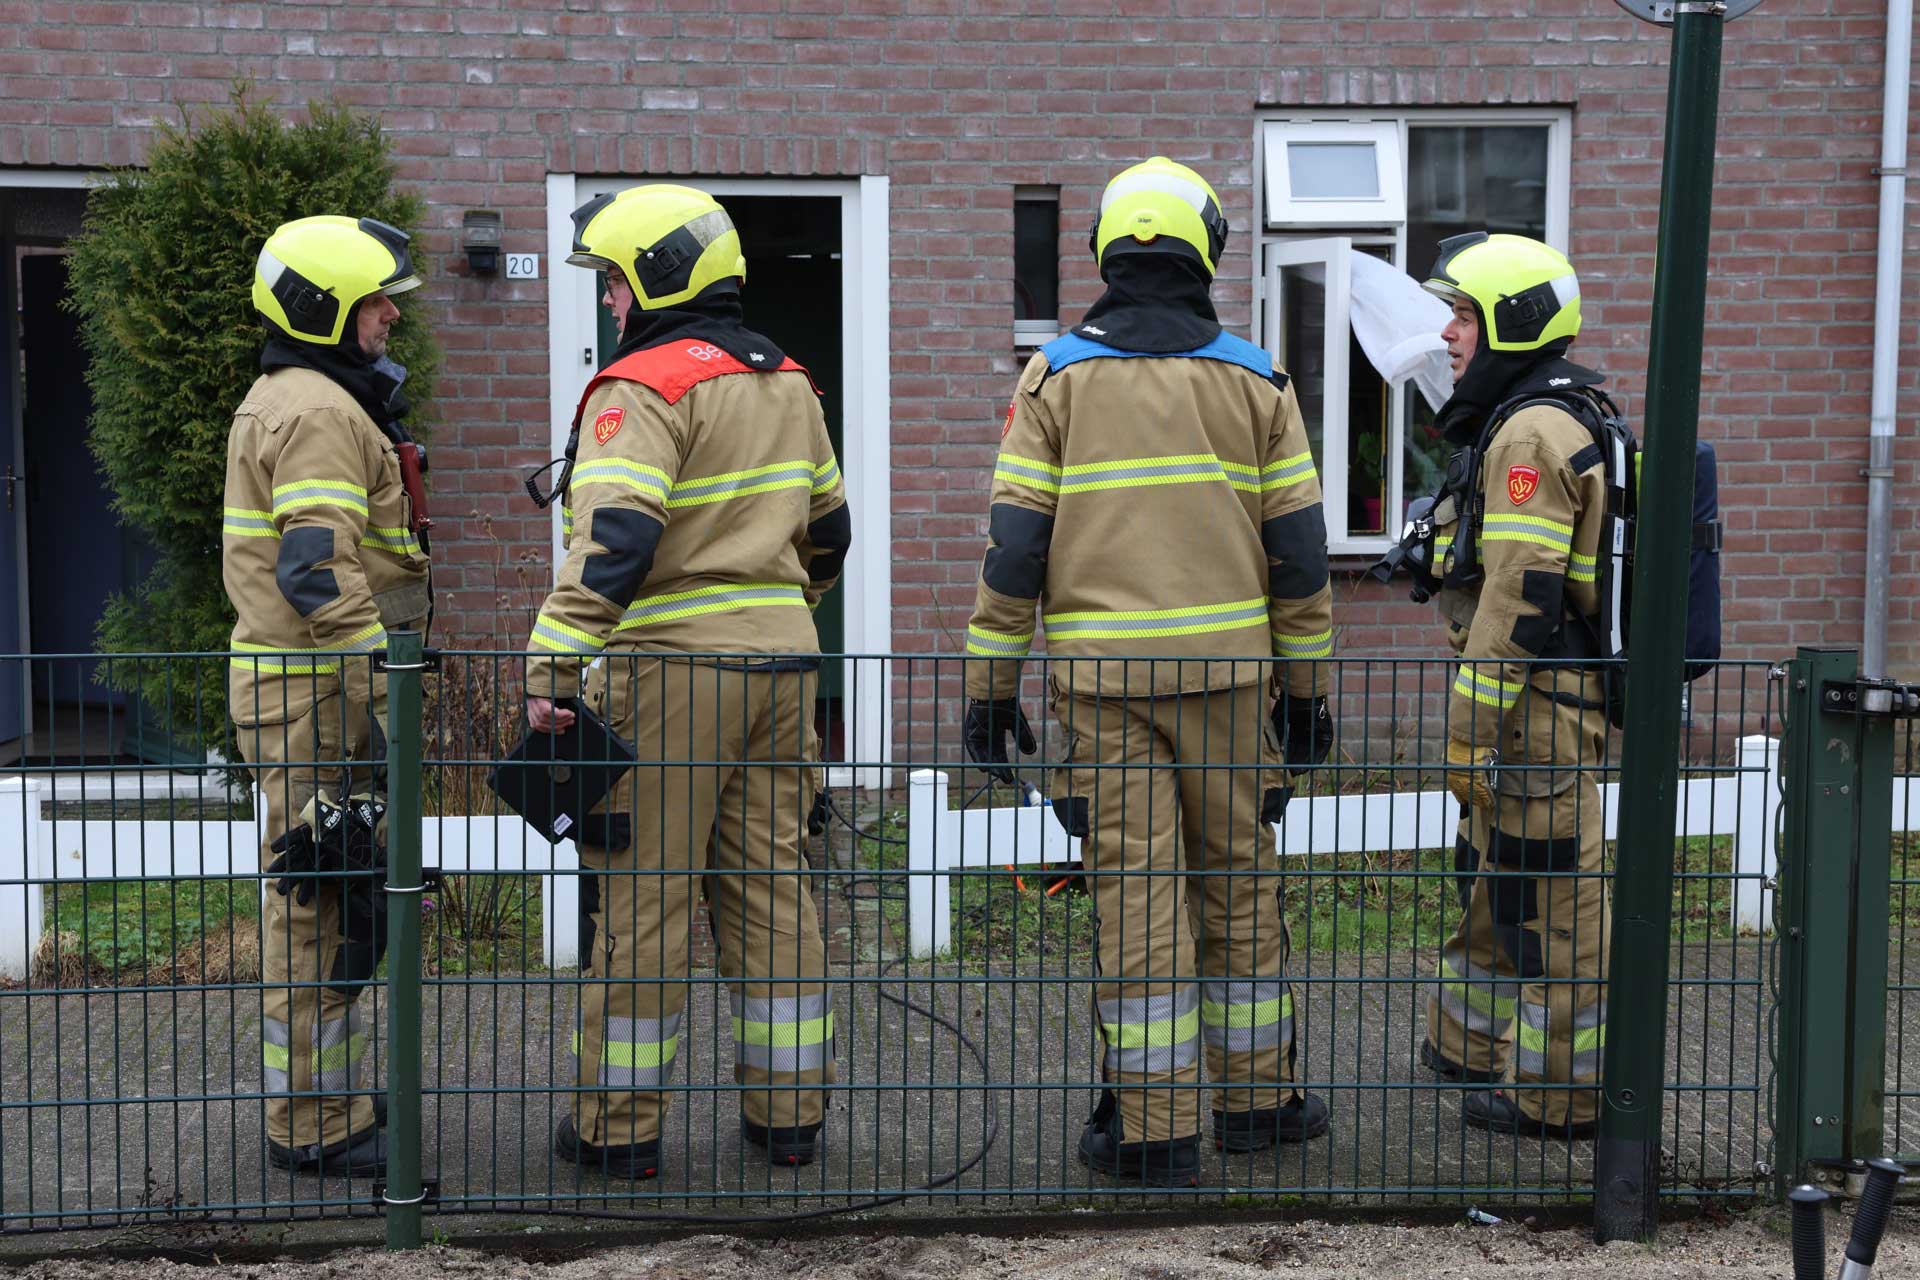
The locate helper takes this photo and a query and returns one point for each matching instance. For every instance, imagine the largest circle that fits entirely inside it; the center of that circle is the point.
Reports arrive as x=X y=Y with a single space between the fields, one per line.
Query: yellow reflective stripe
x=319 y=493
x=1499 y=1008
x=715 y=599
x=826 y=475
x=335 y=1056
x=276 y=1057
x=1140 y=473
x=623 y=473
x=997 y=643
x=1031 y=472
x=620 y=1053
x=1287 y=472
x=244 y=522
x=1508 y=518
x=1582 y=568
x=1591 y=1038
x=1494 y=692
x=551 y=633
x=399 y=541
x=1317 y=645
x=784 y=1035
x=1242 y=1017
x=794 y=474
x=1134 y=624
x=1538 y=539
x=1161 y=1033
x=1529 y=1037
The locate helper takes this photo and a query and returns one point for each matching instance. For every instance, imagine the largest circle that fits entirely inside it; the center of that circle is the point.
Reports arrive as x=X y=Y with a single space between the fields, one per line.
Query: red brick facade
x=959 y=103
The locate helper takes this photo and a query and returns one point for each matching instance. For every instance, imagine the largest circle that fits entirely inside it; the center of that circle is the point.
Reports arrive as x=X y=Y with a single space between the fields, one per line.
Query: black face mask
x=1490 y=378
x=1155 y=303
x=713 y=315
x=373 y=382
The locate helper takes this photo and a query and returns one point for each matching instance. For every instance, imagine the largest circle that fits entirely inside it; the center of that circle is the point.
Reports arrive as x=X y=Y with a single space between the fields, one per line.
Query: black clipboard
x=554 y=780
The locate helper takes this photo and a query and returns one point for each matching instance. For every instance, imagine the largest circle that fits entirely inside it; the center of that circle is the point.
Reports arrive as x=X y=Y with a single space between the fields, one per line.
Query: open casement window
x=1390 y=187
x=1348 y=407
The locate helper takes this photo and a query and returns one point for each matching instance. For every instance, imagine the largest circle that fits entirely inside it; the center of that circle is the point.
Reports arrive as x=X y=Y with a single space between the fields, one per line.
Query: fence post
x=403 y=1192
x=929 y=900
x=1756 y=809
x=23 y=868
x=1835 y=862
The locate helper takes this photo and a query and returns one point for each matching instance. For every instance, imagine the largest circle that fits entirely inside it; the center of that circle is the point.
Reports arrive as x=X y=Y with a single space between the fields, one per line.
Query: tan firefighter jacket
x=316 y=549
x=1543 y=482
x=705 y=515
x=1154 y=506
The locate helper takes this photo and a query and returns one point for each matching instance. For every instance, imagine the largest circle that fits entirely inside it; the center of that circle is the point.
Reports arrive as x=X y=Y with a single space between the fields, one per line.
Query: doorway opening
x=793 y=296
x=63 y=551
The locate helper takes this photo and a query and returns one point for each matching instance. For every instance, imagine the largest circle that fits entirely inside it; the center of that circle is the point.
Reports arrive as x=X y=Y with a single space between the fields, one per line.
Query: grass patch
x=483 y=924
x=124 y=930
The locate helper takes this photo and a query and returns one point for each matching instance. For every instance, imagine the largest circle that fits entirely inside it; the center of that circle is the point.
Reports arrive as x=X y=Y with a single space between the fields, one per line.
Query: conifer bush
x=162 y=276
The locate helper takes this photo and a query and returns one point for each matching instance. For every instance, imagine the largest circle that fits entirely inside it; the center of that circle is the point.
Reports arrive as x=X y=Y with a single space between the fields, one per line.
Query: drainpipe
x=1886 y=335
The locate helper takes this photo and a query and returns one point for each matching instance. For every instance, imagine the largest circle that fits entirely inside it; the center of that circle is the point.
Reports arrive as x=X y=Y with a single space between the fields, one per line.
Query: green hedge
x=162 y=275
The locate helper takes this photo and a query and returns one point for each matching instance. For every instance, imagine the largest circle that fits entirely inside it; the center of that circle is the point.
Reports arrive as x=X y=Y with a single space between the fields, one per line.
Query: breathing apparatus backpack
x=1580 y=637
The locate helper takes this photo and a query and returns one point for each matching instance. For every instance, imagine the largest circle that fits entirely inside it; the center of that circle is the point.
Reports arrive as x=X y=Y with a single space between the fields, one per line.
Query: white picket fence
x=36 y=851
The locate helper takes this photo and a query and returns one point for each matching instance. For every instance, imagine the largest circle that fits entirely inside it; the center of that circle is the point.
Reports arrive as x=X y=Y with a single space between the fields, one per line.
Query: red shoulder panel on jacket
x=674 y=368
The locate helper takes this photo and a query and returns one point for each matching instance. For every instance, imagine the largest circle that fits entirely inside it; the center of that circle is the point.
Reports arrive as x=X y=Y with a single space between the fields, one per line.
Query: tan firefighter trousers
x=1192 y=949
x=1522 y=981
x=315 y=1039
x=703 y=811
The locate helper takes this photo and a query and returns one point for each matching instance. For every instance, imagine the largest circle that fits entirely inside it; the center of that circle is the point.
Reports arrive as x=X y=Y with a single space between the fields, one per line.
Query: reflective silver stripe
x=1589 y=1040
x=782 y=1034
x=826 y=475
x=1241 y=1017
x=736 y=484
x=1148 y=623
x=719 y=599
x=1152 y=1034
x=339 y=1048
x=635 y=1053
x=275 y=1039
x=1530 y=1042
x=997 y=643
x=1474 y=996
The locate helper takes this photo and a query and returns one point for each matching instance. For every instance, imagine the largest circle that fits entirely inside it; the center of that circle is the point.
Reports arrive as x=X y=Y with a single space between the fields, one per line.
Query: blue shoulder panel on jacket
x=1071 y=348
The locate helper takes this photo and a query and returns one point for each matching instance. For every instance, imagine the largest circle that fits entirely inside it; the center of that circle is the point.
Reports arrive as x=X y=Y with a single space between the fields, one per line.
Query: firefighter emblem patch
x=1521 y=483
x=608 y=423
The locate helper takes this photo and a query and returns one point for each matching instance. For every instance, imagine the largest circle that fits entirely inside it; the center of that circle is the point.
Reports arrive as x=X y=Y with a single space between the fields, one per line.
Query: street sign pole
x=1626 y=1159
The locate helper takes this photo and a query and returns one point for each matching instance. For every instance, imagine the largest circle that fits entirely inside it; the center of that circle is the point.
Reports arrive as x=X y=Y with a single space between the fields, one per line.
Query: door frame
x=866 y=447
x=25 y=180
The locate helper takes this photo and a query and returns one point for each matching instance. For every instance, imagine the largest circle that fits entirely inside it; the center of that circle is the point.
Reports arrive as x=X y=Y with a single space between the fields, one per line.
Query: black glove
x=330 y=838
x=985 y=734
x=817 y=815
x=1305 y=729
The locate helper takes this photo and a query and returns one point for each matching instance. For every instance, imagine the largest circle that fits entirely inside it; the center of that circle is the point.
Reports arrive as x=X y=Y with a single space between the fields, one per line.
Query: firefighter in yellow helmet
x=704 y=515
x=1515 y=543
x=323 y=548
x=1156 y=501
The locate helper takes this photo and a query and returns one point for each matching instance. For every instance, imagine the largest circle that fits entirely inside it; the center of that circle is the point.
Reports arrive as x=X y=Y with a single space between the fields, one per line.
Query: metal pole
x=404 y=1193
x=1886 y=336
x=1626 y=1169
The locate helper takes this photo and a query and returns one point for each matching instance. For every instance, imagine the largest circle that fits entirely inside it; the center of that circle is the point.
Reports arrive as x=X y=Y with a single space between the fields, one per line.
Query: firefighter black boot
x=784 y=1146
x=1301 y=1120
x=1493 y=1109
x=636 y=1162
x=363 y=1155
x=1158 y=1164
x=1447 y=1069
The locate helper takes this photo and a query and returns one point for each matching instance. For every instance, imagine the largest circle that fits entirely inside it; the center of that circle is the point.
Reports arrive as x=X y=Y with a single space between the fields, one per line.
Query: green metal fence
x=959 y=960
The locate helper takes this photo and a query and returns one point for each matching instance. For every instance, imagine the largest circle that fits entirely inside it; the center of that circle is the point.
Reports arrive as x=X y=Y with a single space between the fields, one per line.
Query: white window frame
x=1323 y=220
x=1386 y=138
x=866 y=462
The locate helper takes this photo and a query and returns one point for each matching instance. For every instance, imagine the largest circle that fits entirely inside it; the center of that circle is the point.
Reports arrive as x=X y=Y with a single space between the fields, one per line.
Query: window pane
x=1036 y=260
x=1333 y=170
x=1368 y=403
x=1463 y=178
x=1468 y=178
x=1303 y=349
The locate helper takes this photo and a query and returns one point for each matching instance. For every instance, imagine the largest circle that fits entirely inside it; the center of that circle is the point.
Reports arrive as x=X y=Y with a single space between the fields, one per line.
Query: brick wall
x=958 y=103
